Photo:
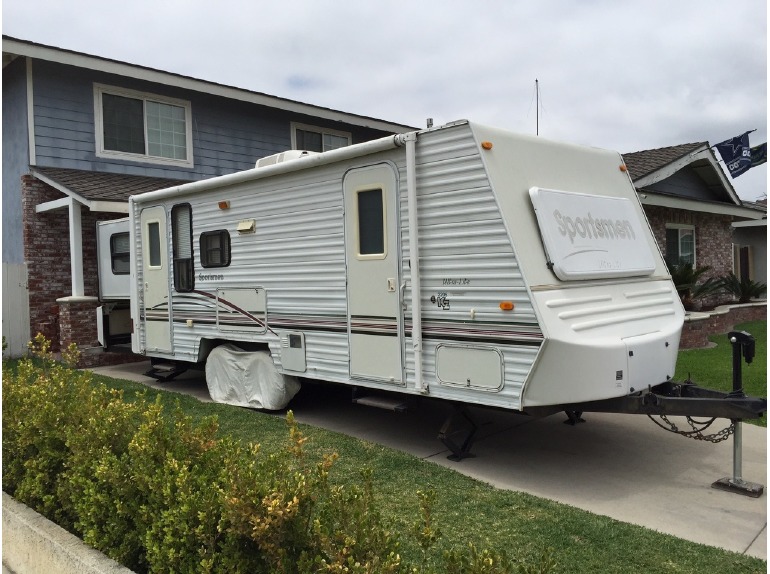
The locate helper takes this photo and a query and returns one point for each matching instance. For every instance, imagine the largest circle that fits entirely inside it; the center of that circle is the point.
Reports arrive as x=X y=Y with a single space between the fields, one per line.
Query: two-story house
x=82 y=133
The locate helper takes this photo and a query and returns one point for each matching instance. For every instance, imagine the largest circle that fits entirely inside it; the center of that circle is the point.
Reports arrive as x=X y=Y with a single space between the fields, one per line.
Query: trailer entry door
x=371 y=238
x=156 y=308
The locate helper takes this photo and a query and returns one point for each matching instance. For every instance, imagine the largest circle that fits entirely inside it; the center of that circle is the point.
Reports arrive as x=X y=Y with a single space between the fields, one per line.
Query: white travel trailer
x=113 y=247
x=462 y=261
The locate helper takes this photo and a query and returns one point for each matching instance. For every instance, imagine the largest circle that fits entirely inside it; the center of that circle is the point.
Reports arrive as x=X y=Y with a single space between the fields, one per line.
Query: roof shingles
x=98 y=186
x=642 y=163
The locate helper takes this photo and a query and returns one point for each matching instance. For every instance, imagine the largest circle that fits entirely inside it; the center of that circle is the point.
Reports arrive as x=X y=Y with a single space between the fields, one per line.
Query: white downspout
x=410 y=140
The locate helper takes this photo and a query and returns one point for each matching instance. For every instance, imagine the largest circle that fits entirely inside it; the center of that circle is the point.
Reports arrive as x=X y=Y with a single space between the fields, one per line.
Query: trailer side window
x=215 y=248
x=371 y=223
x=181 y=237
x=119 y=253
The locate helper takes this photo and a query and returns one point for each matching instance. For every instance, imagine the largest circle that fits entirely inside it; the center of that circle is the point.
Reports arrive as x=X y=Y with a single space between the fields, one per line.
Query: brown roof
x=642 y=163
x=97 y=186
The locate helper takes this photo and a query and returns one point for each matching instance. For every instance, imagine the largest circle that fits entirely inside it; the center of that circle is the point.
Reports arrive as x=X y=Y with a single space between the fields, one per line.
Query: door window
x=371 y=224
x=153 y=240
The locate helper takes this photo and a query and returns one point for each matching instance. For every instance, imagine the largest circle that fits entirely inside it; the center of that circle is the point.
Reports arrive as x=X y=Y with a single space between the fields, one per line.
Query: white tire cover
x=248 y=379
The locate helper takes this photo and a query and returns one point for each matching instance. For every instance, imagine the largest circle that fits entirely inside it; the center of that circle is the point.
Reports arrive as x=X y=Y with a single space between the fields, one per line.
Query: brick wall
x=47 y=254
x=713 y=236
x=713 y=240
x=698 y=327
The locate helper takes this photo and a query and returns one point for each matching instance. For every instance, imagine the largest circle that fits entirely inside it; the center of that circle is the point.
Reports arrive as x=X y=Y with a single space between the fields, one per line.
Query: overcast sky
x=617 y=74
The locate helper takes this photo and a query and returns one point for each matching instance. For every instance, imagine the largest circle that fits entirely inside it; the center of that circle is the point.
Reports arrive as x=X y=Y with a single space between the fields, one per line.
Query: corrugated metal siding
x=297 y=254
x=139 y=275
x=466 y=256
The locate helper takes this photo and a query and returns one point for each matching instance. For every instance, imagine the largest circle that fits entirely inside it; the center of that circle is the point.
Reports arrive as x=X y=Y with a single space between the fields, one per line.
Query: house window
x=181 y=238
x=312 y=138
x=680 y=244
x=371 y=224
x=138 y=126
x=215 y=248
x=119 y=253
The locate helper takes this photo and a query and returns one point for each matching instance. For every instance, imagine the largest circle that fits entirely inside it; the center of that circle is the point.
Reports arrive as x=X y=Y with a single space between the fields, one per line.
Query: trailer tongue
x=665 y=399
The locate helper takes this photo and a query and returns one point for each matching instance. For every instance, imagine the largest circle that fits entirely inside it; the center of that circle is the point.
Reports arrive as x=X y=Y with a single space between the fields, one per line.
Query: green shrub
x=689 y=284
x=160 y=493
x=744 y=290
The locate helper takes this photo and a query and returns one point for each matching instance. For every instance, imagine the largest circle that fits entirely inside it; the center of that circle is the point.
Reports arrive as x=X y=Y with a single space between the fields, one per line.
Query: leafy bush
x=159 y=493
x=689 y=284
x=743 y=289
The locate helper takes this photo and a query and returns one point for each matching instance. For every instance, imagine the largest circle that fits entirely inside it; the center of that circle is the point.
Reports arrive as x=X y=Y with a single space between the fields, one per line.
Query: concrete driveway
x=621 y=466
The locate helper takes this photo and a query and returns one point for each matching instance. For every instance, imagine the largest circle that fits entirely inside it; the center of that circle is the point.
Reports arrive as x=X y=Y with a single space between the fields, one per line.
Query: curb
x=32 y=544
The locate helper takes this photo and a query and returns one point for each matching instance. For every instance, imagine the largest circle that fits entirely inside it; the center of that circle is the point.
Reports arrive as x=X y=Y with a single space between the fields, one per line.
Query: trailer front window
x=119 y=253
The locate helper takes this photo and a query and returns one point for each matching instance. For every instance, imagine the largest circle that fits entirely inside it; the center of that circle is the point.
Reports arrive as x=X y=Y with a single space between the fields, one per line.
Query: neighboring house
x=695 y=213
x=82 y=133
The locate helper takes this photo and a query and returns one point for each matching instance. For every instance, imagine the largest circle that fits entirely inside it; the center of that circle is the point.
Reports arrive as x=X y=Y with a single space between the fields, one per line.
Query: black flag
x=736 y=154
x=758 y=155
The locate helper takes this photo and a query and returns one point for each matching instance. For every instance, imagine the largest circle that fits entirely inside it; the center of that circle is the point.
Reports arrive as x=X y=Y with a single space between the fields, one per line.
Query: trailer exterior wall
x=499 y=328
x=297 y=254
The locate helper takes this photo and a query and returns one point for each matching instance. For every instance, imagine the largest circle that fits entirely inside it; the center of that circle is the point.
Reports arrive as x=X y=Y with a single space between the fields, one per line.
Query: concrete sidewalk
x=621 y=466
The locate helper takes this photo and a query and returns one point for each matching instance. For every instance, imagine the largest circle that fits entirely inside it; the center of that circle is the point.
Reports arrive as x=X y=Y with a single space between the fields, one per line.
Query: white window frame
x=372 y=256
x=680 y=227
x=323 y=131
x=100 y=89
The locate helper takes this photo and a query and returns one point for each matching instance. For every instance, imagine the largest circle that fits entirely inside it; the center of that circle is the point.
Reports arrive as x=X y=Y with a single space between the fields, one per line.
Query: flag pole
x=537 y=108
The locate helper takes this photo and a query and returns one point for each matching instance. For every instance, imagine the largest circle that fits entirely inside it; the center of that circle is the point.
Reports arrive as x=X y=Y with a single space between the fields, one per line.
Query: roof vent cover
x=283 y=156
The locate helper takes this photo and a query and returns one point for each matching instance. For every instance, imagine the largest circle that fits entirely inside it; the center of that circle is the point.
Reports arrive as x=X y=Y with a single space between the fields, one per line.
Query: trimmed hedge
x=158 y=493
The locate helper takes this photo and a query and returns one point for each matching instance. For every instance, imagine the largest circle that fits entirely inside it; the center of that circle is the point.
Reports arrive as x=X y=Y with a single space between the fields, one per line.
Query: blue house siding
x=227 y=135
x=15 y=157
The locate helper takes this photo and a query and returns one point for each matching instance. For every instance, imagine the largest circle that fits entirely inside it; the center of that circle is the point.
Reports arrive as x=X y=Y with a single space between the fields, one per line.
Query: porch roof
x=92 y=186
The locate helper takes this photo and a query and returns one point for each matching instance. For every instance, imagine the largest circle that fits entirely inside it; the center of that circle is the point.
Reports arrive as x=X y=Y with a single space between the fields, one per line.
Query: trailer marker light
x=506 y=305
x=623 y=168
x=224 y=205
x=486 y=145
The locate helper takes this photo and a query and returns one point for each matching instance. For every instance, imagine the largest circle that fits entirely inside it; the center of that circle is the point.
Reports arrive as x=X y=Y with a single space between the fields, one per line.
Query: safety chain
x=697 y=431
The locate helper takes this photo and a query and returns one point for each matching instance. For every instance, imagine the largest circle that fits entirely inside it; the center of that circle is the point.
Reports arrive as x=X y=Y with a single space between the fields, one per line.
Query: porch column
x=76 y=239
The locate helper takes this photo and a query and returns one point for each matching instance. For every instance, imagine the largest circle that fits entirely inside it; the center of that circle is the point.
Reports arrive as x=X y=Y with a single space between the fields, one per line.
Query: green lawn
x=712 y=367
x=467 y=510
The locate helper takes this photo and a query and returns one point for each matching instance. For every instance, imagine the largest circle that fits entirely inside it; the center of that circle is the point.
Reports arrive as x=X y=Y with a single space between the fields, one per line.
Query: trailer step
x=165 y=372
x=386 y=403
